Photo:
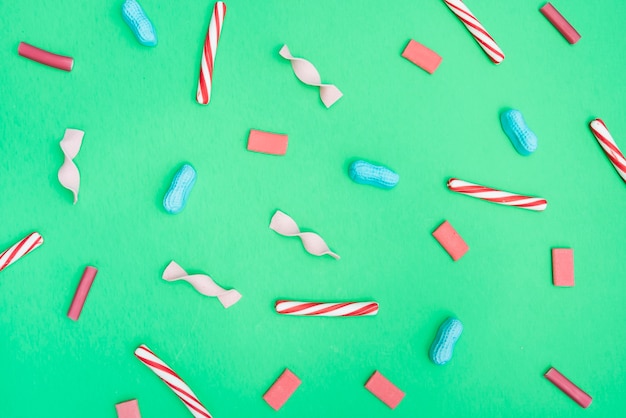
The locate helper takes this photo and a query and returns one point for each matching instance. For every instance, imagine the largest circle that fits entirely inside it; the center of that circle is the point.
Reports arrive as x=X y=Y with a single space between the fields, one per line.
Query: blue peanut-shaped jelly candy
x=363 y=172
x=182 y=183
x=524 y=140
x=443 y=345
x=139 y=23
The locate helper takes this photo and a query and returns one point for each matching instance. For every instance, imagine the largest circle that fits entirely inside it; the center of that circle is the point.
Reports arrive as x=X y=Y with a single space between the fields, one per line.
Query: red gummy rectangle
x=568 y=387
x=384 y=390
x=128 y=409
x=81 y=292
x=282 y=389
x=421 y=56
x=267 y=142
x=563 y=266
x=450 y=240
x=560 y=23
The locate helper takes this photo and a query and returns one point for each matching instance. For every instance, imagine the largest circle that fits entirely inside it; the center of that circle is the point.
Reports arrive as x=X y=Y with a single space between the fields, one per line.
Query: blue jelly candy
x=524 y=140
x=182 y=183
x=140 y=24
x=443 y=345
x=363 y=172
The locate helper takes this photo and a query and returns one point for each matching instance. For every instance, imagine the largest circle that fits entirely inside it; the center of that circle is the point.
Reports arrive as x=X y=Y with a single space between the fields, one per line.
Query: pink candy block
x=450 y=240
x=267 y=143
x=563 y=267
x=81 y=292
x=569 y=388
x=384 y=390
x=421 y=56
x=128 y=409
x=282 y=389
x=560 y=23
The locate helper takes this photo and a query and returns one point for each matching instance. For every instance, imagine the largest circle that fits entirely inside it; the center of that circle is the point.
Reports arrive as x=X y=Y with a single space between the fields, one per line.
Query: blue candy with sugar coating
x=363 y=172
x=139 y=23
x=443 y=345
x=524 y=140
x=182 y=183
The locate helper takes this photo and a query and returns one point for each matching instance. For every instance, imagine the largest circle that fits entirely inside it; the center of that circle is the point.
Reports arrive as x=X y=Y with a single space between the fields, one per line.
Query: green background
x=137 y=108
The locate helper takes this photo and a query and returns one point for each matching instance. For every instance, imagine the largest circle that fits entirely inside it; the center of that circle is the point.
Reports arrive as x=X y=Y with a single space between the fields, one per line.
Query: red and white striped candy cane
x=203 y=96
x=20 y=249
x=477 y=30
x=606 y=141
x=292 y=307
x=172 y=380
x=497 y=196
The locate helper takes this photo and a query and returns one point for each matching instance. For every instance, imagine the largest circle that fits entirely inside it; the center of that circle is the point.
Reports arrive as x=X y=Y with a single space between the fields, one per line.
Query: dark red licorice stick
x=81 y=292
x=44 y=57
x=560 y=23
x=569 y=388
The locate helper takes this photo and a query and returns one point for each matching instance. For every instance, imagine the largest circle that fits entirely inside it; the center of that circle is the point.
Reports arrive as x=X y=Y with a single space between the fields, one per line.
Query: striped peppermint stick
x=606 y=141
x=497 y=196
x=203 y=96
x=172 y=380
x=477 y=30
x=20 y=249
x=292 y=307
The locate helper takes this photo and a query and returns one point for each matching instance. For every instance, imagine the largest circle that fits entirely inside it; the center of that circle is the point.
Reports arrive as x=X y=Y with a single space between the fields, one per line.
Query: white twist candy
x=307 y=73
x=69 y=176
x=202 y=283
x=173 y=380
x=313 y=243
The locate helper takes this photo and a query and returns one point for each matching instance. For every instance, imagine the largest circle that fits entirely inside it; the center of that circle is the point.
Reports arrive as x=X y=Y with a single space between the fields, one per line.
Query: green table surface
x=137 y=108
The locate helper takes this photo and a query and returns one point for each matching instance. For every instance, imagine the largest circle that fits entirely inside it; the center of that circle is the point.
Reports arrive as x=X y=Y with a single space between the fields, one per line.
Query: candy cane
x=208 y=53
x=606 y=141
x=292 y=307
x=477 y=30
x=20 y=249
x=497 y=196
x=172 y=380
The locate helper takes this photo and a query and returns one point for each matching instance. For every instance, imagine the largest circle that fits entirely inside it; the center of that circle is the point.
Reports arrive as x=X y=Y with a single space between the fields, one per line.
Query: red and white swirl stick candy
x=203 y=96
x=292 y=307
x=477 y=30
x=497 y=196
x=172 y=380
x=20 y=249
x=606 y=141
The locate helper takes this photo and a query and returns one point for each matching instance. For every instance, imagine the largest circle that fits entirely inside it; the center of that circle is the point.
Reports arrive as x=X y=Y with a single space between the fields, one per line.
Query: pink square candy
x=282 y=389
x=128 y=409
x=563 y=266
x=425 y=58
x=267 y=142
x=450 y=240
x=384 y=390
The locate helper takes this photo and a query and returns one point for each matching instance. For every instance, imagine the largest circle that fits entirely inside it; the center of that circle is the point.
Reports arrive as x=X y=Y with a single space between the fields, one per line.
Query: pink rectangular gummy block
x=450 y=240
x=569 y=388
x=421 y=56
x=282 y=389
x=81 y=292
x=267 y=142
x=560 y=23
x=128 y=409
x=384 y=390
x=563 y=266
